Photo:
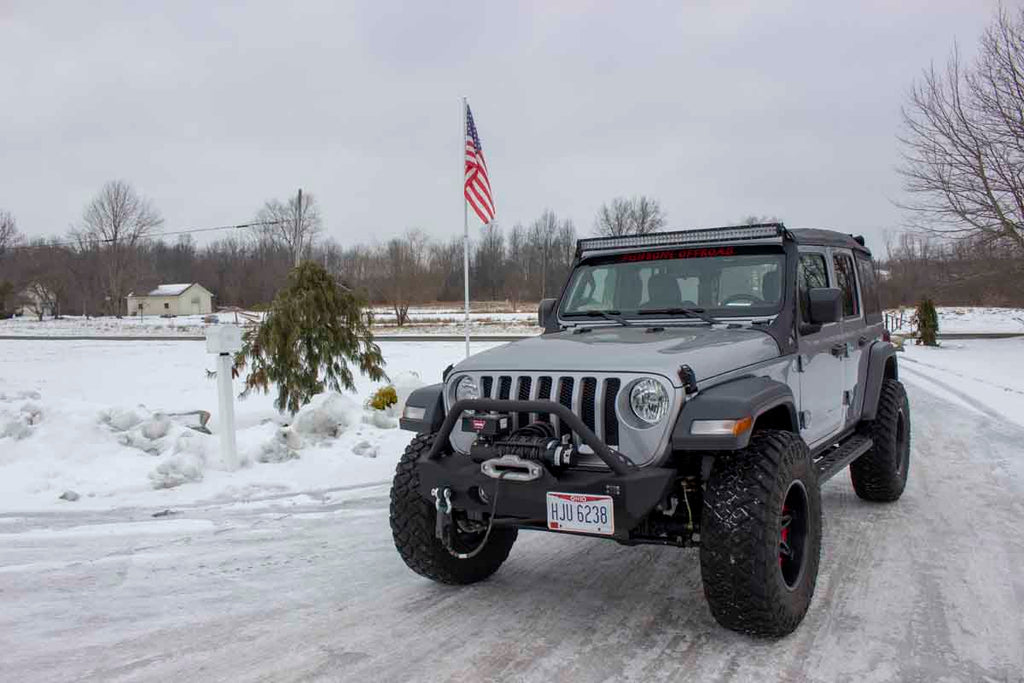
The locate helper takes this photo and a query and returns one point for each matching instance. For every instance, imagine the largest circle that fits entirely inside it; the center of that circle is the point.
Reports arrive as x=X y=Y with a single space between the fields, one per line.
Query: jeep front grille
x=592 y=398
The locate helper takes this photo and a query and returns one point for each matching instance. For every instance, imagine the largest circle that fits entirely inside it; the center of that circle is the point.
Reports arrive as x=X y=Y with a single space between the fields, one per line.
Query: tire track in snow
x=920 y=378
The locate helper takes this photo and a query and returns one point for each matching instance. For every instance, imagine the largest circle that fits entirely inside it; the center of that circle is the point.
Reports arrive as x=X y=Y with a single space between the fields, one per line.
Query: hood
x=709 y=351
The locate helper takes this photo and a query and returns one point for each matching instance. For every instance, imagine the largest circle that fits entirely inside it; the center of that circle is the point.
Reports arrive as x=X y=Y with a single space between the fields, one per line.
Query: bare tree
x=647 y=215
x=9 y=235
x=118 y=218
x=640 y=215
x=963 y=141
x=757 y=220
x=542 y=236
x=515 y=266
x=404 y=275
x=294 y=224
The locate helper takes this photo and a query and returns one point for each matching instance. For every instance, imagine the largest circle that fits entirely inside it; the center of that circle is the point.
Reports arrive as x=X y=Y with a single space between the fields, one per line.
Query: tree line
x=116 y=249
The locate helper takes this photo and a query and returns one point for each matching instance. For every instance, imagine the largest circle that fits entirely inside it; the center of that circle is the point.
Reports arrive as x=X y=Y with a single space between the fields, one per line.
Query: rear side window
x=869 y=288
x=813 y=273
x=846 y=281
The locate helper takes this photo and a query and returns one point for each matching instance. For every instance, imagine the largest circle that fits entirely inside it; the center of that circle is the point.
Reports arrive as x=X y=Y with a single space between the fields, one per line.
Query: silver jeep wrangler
x=690 y=388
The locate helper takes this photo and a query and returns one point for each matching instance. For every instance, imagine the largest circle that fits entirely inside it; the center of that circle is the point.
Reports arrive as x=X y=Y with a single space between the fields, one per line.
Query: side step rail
x=833 y=460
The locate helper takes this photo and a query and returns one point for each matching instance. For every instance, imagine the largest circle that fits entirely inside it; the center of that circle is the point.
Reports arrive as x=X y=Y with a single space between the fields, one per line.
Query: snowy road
x=927 y=589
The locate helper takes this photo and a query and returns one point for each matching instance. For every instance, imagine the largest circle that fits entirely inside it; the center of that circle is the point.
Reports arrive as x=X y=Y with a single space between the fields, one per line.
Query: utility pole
x=298 y=231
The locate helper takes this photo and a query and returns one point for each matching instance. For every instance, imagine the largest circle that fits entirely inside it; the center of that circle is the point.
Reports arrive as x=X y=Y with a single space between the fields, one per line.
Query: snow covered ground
x=426 y=320
x=286 y=571
x=964 y=319
x=984 y=376
x=86 y=416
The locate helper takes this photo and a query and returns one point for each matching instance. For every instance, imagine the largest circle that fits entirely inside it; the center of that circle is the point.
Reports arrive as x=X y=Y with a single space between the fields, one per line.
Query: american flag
x=478 y=186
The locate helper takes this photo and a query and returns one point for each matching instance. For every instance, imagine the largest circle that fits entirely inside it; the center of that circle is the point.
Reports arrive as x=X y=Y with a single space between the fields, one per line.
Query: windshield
x=721 y=281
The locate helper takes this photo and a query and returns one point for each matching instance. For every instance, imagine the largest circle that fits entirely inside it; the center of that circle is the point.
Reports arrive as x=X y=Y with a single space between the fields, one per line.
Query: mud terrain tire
x=761 y=535
x=881 y=473
x=412 y=527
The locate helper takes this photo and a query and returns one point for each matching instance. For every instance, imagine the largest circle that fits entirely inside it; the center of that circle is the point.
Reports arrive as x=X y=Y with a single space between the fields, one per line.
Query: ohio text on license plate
x=581 y=512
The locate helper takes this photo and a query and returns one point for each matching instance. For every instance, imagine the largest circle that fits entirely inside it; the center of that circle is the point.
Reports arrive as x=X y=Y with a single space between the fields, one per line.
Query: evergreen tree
x=927 y=323
x=307 y=339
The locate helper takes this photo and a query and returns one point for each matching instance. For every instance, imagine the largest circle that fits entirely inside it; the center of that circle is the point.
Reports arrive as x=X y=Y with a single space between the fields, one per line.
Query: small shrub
x=927 y=323
x=383 y=398
x=309 y=341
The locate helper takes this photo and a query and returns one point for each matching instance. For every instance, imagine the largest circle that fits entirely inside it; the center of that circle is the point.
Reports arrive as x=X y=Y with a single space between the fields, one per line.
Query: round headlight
x=466 y=388
x=649 y=401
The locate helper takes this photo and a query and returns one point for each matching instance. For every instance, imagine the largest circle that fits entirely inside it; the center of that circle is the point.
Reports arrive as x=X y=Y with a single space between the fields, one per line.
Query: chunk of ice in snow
x=156 y=427
x=381 y=418
x=366 y=449
x=175 y=471
x=120 y=419
x=281 y=447
x=329 y=418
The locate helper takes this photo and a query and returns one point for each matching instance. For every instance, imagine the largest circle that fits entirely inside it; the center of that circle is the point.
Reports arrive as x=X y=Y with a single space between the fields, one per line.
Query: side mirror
x=544 y=311
x=825 y=305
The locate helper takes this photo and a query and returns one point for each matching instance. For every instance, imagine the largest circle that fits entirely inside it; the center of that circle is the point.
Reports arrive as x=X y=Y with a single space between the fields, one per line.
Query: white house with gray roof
x=189 y=298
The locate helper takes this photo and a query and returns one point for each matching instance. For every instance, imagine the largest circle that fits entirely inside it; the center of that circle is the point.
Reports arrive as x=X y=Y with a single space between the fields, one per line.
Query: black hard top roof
x=827 y=238
x=732 y=233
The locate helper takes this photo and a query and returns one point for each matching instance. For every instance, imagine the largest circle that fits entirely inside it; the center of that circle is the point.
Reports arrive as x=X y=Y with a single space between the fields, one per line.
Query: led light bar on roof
x=661 y=239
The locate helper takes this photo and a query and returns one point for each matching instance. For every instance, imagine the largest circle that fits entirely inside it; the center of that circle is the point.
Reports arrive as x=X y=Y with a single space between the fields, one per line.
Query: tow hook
x=443 y=504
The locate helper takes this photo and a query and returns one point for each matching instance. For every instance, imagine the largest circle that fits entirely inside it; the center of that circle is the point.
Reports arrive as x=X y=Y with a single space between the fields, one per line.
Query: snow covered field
x=965 y=320
x=286 y=570
x=426 y=320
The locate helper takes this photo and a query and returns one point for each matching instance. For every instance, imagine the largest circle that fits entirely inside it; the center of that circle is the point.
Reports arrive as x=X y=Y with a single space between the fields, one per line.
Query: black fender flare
x=431 y=400
x=878 y=361
x=744 y=397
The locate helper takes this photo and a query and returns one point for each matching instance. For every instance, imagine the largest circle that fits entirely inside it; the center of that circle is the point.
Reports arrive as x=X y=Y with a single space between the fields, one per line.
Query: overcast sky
x=719 y=109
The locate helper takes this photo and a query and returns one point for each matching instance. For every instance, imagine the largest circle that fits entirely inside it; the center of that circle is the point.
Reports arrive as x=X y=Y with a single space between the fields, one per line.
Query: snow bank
x=99 y=419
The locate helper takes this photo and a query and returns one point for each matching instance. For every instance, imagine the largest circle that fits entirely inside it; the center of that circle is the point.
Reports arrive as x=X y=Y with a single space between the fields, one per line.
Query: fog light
x=721 y=427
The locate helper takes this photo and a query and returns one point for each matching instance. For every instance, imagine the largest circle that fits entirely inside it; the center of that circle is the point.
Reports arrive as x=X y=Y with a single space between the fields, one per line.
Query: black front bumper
x=524 y=503
x=634 y=491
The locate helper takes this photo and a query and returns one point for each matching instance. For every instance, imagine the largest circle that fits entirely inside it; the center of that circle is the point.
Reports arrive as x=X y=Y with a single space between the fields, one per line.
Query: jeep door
x=822 y=378
x=854 y=335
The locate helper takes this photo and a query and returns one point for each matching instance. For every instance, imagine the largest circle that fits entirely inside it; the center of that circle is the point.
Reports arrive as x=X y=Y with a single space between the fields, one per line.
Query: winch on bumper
x=523 y=500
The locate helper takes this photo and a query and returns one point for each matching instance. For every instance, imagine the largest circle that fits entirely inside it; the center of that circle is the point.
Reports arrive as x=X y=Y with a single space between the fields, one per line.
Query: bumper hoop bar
x=617 y=462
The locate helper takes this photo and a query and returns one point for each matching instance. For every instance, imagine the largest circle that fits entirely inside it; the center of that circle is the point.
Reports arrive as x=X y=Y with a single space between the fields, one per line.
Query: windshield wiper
x=615 y=316
x=679 y=310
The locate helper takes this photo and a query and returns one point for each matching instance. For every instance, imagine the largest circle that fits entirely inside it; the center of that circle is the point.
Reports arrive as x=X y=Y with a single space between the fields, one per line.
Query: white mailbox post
x=225 y=341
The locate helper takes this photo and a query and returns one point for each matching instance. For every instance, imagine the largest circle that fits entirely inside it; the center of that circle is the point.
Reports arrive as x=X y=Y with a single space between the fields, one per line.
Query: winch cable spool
x=536 y=441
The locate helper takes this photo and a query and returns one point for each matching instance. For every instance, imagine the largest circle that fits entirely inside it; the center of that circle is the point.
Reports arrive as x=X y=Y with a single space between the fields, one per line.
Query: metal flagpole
x=465 y=222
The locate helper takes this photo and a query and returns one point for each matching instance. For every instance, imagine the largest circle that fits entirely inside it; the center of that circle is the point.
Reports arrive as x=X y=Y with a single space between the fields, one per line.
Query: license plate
x=581 y=512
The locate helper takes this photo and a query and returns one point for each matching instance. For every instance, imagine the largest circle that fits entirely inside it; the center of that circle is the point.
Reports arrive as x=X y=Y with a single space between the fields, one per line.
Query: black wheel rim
x=902 y=441
x=793 y=535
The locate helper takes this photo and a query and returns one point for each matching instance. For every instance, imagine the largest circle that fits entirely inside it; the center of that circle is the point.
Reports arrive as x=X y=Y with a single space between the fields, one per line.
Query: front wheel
x=761 y=535
x=413 y=520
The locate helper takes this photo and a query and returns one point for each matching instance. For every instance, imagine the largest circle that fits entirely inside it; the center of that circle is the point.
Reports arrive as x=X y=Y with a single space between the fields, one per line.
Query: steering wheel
x=742 y=297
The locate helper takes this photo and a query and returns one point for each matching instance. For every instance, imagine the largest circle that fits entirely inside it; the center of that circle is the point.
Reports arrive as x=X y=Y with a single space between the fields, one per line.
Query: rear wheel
x=761 y=535
x=413 y=519
x=881 y=473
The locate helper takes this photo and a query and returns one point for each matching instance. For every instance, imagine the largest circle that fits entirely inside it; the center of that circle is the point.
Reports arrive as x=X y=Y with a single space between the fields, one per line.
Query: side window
x=847 y=282
x=869 y=288
x=813 y=272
